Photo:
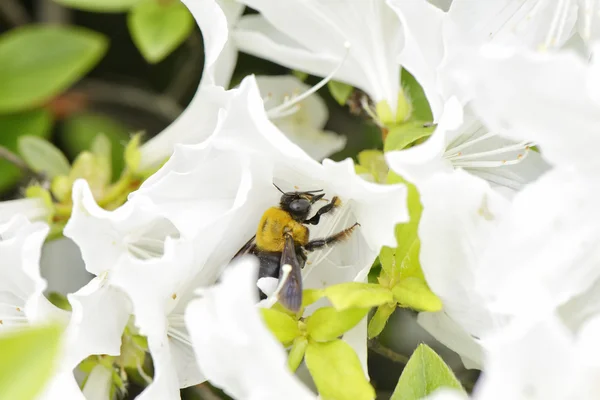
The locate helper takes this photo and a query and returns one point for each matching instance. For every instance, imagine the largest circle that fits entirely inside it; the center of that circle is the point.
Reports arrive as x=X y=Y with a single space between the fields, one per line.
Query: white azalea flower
x=303 y=122
x=87 y=328
x=198 y=120
x=313 y=36
x=460 y=214
x=234 y=348
x=246 y=127
x=462 y=141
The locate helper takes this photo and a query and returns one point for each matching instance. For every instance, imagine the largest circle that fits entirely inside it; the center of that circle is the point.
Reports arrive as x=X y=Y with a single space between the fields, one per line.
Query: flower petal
x=225 y=323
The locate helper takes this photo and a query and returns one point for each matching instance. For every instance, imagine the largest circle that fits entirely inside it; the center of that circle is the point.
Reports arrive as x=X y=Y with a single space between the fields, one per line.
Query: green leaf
x=79 y=131
x=28 y=361
x=414 y=293
x=158 y=29
x=43 y=157
x=340 y=91
x=284 y=327
x=59 y=300
x=337 y=372
x=300 y=75
x=374 y=164
x=12 y=126
x=297 y=353
x=309 y=296
x=401 y=136
x=133 y=156
x=99 y=5
x=380 y=319
x=38 y=62
x=420 y=106
x=327 y=323
x=424 y=373
x=358 y=295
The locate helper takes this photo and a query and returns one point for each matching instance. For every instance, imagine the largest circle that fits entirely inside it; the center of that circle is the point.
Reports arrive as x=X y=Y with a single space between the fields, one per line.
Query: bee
x=282 y=241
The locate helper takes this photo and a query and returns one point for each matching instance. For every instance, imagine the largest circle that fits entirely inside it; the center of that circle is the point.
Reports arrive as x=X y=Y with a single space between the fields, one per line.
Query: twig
x=14 y=13
x=205 y=392
x=386 y=352
x=129 y=96
x=180 y=83
x=48 y=11
x=19 y=163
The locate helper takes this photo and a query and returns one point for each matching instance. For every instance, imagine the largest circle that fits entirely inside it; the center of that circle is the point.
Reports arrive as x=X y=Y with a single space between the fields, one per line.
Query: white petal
x=452 y=335
x=98 y=384
x=194 y=125
x=62 y=266
x=164 y=386
x=62 y=386
x=33 y=209
x=225 y=325
x=567 y=132
x=322 y=28
x=100 y=313
x=419 y=163
x=21 y=286
x=423 y=46
x=530 y=23
x=452 y=244
x=546 y=249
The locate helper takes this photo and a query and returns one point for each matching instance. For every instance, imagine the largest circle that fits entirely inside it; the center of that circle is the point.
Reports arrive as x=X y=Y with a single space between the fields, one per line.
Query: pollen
x=18 y=309
x=174 y=296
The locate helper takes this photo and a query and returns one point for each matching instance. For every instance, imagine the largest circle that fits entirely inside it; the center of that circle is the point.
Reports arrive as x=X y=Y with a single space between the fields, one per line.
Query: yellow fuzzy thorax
x=273 y=224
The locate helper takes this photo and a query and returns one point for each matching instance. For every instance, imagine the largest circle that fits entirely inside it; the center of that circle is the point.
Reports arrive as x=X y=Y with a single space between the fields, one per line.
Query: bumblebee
x=282 y=241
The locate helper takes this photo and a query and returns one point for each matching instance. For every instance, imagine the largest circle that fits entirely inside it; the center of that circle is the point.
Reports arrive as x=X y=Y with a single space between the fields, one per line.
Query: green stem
x=386 y=352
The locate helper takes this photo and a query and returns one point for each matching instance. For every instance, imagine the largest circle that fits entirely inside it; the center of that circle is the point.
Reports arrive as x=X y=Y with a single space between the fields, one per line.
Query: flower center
x=149 y=241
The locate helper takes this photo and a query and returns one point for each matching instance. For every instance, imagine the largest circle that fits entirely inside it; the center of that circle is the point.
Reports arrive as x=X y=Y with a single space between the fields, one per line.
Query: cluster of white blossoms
x=507 y=231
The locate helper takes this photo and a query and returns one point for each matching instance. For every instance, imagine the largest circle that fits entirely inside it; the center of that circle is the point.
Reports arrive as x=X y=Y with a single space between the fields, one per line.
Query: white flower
x=302 y=123
x=460 y=214
x=313 y=36
x=234 y=349
x=462 y=141
x=198 y=120
x=87 y=328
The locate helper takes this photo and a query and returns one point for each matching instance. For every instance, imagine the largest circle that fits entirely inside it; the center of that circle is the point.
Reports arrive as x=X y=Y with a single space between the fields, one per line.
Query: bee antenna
x=278 y=188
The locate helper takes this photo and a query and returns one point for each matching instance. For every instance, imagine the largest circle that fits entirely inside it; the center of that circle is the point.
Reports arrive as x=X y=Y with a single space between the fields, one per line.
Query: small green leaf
x=284 y=327
x=424 y=373
x=38 y=62
x=373 y=163
x=79 y=131
x=59 y=300
x=297 y=353
x=12 y=126
x=309 y=296
x=99 y=5
x=358 y=295
x=401 y=136
x=327 y=323
x=28 y=361
x=420 y=106
x=158 y=29
x=300 y=75
x=337 y=372
x=43 y=157
x=380 y=319
x=340 y=91
x=414 y=293
x=133 y=156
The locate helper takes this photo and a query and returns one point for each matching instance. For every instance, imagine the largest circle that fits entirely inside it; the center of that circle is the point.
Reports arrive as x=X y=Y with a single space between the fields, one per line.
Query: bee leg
x=290 y=276
x=335 y=202
x=317 y=244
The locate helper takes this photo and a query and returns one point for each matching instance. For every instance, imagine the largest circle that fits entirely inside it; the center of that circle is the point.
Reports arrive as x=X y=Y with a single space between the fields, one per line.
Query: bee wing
x=248 y=248
x=290 y=277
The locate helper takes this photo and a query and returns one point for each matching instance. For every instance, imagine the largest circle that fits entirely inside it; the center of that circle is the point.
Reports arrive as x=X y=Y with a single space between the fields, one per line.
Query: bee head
x=298 y=204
